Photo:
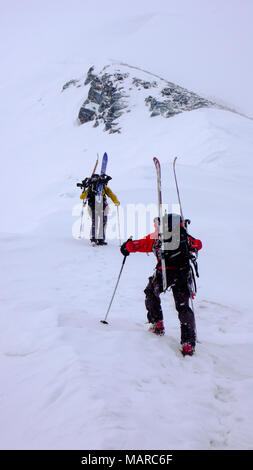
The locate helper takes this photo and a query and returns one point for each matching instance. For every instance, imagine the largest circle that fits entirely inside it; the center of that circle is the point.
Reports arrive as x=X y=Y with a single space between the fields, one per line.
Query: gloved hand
x=123 y=249
x=195 y=244
x=117 y=203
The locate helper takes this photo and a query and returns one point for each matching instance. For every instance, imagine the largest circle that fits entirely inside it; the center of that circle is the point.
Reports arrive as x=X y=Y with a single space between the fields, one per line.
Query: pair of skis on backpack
x=102 y=177
x=102 y=180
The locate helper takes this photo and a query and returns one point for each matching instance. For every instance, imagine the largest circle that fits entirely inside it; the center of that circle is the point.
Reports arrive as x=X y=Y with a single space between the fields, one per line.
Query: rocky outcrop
x=71 y=83
x=175 y=100
x=106 y=100
x=112 y=92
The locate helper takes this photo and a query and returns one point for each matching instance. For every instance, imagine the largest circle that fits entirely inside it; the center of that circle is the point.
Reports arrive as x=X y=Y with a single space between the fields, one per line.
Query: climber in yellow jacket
x=98 y=207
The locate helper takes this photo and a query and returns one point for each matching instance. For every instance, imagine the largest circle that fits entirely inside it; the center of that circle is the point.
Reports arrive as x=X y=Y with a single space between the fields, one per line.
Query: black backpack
x=93 y=186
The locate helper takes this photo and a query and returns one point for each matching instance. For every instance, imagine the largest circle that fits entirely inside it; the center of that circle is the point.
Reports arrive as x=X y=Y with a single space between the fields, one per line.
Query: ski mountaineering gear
x=95 y=192
x=175 y=250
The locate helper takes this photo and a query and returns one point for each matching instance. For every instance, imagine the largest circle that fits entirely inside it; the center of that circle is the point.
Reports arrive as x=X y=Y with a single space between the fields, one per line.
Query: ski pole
x=104 y=321
x=84 y=202
x=119 y=226
x=81 y=225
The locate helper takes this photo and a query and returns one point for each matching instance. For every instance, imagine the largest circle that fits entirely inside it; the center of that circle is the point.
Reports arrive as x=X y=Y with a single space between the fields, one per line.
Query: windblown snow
x=69 y=381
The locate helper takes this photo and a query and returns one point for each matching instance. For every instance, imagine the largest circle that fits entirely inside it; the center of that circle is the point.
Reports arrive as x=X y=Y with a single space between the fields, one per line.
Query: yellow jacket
x=106 y=191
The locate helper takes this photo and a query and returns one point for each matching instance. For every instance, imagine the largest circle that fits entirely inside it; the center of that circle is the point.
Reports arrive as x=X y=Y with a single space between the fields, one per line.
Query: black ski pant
x=177 y=279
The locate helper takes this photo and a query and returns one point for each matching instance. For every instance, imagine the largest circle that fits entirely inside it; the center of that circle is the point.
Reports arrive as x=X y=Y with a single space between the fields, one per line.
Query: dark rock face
x=70 y=83
x=145 y=84
x=176 y=100
x=86 y=115
x=106 y=100
x=111 y=95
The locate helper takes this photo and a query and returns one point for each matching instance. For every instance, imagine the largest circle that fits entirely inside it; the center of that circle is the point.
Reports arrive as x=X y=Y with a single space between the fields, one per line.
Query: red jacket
x=146 y=244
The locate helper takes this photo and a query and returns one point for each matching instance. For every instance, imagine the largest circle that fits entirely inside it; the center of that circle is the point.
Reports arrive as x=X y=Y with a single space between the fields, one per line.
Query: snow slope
x=68 y=381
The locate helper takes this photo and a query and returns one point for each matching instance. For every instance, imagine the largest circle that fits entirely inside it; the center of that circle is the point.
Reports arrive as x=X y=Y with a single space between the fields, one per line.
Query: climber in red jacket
x=178 y=274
